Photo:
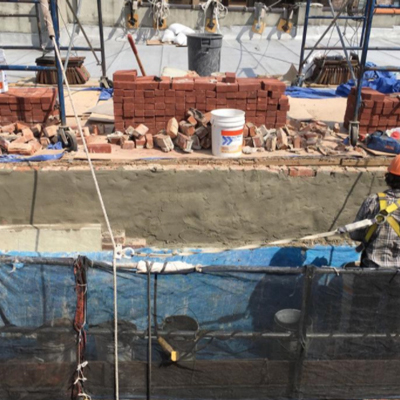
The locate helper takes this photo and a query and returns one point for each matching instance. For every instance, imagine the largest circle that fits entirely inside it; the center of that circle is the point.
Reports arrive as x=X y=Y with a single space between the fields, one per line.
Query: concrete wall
x=114 y=16
x=191 y=206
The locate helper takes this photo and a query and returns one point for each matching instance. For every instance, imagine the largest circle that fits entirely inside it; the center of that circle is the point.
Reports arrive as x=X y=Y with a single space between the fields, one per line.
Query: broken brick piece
x=128 y=145
x=184 y=142
x=20 y=148
x=164 y=142
x=50 y=131
x=149 y=141
x=140 y=142
x=172 y=128
x=186 y=128
x=8 y=128
x=192 y=120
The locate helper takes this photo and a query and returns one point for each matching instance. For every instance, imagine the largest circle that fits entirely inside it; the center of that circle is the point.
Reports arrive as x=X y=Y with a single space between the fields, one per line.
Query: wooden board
x=376 y=152
x=83 y=100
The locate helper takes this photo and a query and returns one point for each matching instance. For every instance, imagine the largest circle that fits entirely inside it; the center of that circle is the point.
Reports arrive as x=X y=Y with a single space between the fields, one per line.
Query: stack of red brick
x=152 y=101
x=31 y=105
x=377 y=112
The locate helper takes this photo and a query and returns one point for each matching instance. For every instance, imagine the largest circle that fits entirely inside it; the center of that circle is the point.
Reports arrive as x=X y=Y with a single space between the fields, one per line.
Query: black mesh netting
x=236 y=335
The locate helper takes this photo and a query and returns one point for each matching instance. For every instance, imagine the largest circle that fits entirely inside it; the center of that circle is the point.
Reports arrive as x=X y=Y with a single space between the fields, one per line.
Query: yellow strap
x=370 y=232
x=382 y=206
x=387 y=210
x=393 y=207
x=382 y=201
x=394 y=224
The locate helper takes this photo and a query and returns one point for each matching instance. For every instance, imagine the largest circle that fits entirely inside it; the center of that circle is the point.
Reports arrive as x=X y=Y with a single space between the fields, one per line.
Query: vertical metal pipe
x=61 y=98
x=368 y=26
x=303 y=39
x=101 y=33
x=39 y=26
x=342 y=42
x=303 y=327
x=149 y=352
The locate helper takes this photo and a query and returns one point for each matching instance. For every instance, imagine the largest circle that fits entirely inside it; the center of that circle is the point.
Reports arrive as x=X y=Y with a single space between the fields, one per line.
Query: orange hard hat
x=394 y=167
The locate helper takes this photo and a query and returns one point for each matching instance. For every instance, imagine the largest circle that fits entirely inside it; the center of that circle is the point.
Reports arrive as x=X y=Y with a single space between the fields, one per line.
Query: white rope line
x=96 y=184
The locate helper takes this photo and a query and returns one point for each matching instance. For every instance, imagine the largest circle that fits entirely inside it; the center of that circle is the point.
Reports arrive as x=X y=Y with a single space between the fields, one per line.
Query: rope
x=160 y=11
x=219 y=11
x=103 y=208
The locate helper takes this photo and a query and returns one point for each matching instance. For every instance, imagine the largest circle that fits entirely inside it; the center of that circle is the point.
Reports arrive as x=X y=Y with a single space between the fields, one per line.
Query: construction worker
x=376 y=297
x=381 y=242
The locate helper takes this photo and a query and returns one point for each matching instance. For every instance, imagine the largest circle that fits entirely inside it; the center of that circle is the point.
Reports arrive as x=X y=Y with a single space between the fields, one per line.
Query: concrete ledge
x=51 y=238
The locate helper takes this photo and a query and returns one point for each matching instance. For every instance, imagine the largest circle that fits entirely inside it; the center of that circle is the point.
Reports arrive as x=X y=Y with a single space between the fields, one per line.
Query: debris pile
x=20 y=138
x=292 y=137
x=192 y=133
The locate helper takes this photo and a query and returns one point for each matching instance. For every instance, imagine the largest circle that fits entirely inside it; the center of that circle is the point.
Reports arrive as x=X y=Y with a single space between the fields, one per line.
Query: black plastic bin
x=204 y=51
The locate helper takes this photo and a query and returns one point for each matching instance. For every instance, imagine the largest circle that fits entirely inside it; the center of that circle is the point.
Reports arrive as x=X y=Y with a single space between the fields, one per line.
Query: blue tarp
x=382 y=81
x=310 y=93
x=105 y=94
x=8 y=158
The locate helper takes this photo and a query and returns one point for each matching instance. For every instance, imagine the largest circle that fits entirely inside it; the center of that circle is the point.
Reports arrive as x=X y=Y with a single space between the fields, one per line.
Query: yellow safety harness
x=383 y=216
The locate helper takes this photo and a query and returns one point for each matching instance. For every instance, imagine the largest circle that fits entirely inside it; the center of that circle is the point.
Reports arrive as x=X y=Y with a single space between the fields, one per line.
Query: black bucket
x=204 y=51
x=288 y=321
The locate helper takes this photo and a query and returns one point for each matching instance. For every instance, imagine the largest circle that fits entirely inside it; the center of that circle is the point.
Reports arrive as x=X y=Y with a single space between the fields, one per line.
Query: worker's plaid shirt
x=383 y=249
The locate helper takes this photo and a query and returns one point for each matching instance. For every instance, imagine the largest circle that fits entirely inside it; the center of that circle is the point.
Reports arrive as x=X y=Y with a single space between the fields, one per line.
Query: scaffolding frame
x=363 y=47
x=35 y=68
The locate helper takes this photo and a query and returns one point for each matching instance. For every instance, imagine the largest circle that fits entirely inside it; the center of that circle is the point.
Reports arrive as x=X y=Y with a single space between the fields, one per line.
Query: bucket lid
x=205 y=35
x=228 y=113
x=288 y=318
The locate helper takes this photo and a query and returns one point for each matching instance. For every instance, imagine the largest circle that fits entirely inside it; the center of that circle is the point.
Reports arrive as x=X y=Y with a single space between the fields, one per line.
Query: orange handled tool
x=134 y=49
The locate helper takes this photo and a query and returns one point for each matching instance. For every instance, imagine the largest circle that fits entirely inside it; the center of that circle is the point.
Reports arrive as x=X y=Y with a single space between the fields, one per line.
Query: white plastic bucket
x=227 y=132
x=3 y=75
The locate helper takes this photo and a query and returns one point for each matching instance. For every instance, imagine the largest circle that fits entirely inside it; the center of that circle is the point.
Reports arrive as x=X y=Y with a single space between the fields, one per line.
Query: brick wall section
x=378 y=111
x=144 y=100
x=31 y=105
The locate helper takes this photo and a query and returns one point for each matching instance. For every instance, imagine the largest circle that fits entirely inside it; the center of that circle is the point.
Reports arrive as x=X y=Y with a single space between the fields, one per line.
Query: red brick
x=170 y=93
x=230 y=77
x=165 y=83
x=99 y=148
x=211 y=94
x=125 y=76
x=145 y=84
x=227 y=87
x=172 y=100
x=149 y=93
x=205 y=83
x=183 y=83
x=137 y=93
x=248 y=84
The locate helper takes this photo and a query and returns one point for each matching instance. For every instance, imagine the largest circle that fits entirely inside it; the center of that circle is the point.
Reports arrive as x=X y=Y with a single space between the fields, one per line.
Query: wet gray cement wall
x=190 y=207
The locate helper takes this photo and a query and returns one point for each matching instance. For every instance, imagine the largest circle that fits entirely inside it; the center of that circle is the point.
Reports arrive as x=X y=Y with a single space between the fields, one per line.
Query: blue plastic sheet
x=38 y=346
x=105 y=93
x=382 y=81
x=310 y=93
x=8 y=158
